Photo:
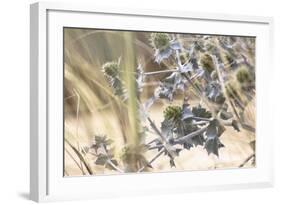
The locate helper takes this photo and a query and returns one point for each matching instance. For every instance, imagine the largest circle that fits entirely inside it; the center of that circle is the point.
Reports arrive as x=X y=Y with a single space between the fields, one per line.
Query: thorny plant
x=200 y=66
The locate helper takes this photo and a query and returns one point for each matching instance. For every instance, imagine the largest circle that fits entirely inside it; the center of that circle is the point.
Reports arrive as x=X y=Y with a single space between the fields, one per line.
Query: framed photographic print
x=127 y=102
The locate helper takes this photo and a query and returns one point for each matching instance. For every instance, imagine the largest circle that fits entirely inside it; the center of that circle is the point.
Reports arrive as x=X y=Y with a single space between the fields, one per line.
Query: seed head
x=172 y=112
x=207 y=63
x=243 y=76
x=111 y=69
x=160 y=41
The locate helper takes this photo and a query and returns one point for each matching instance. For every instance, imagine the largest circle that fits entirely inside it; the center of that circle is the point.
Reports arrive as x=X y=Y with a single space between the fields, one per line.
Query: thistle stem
x=221 y=80
x=109 y=161
x=114 y=166
x=202 y=119
x=152 y=141
x=155 y=147
x=191 y=135
x=160 y=71
x=164 y=141
x=152 y=124
x=151 y=161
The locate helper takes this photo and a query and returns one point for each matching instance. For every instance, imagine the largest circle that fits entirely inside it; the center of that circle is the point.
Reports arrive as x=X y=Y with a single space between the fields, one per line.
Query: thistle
x=245 y=79
x=183 y=57
x=160 y=41
x=111 y=69
x=163 y=45
x=243 y=76
x=207 y=63
x=173 y=113
x=192 y=67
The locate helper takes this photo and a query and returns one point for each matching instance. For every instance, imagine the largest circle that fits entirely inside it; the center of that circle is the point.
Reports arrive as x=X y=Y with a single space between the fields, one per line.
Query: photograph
x=155 y=101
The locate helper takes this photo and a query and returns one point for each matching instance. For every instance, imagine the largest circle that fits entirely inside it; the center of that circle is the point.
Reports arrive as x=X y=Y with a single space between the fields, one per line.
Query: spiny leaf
x=235 y=125
x=172 y=163
x=214 y=92
x=109 y=166
x=213 y=143
x=164 y=91
x=101 y=160
x=95 y=147
x=170 y=85
x=186 y=112
x=198 y=140
x=167 y=127
x=225 y=115
x=185 y=127
x=102 y=140
x=187 y=145
x=178 y=151
x=212 y=146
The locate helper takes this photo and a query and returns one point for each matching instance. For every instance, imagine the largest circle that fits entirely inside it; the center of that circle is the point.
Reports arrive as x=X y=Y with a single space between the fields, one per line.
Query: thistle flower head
x=173 y=112
x=207 y=63
x=245 y=79
x=111 y=69
x=243 y=76
x=160 y=41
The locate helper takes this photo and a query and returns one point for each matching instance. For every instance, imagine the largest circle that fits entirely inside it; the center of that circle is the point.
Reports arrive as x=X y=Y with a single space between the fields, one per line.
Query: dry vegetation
x=112 y=118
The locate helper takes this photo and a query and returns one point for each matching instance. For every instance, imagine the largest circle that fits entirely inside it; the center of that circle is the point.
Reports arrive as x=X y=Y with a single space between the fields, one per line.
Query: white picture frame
x=46 y=179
